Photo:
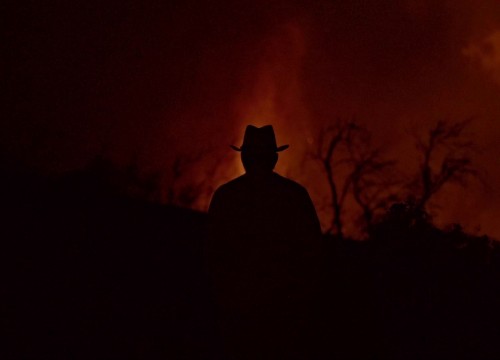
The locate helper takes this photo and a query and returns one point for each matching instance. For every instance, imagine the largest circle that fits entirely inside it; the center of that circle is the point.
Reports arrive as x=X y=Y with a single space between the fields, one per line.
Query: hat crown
x=260 y=139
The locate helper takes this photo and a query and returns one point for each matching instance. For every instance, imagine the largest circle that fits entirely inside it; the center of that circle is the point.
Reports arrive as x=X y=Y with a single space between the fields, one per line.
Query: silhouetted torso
x=263 y=248
x=263 y=222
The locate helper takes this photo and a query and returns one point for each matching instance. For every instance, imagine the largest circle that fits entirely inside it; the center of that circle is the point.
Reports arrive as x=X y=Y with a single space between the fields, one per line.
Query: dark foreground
x=103 y=277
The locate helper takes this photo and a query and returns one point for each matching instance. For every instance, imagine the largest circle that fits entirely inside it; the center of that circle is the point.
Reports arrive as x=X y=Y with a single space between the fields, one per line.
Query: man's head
x=259 y=152
x=259 y=162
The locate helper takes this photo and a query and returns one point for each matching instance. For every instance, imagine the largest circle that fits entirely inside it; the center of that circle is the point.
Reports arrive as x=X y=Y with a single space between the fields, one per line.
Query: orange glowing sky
x=146 y=80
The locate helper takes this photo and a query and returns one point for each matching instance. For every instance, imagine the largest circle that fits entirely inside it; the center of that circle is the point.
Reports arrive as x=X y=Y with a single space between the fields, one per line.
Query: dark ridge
x=90 y=274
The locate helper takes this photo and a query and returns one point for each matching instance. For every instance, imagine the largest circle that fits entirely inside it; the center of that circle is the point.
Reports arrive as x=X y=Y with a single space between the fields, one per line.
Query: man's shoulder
x=289 y=183
x=230 y=186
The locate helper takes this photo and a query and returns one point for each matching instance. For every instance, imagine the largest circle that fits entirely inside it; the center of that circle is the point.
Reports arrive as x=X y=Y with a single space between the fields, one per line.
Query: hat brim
x=278 y=149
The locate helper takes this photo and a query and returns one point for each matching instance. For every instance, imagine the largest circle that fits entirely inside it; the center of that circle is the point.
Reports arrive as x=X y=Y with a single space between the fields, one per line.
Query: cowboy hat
x=259 y=140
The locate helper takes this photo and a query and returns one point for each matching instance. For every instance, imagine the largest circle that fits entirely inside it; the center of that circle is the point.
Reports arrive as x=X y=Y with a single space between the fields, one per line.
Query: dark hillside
x=88 y=273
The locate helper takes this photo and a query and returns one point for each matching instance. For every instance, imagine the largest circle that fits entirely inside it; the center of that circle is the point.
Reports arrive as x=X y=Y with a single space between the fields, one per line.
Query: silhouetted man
x=263 y=251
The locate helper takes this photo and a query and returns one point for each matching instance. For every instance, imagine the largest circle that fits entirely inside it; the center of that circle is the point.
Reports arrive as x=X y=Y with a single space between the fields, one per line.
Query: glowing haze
x=147 y=81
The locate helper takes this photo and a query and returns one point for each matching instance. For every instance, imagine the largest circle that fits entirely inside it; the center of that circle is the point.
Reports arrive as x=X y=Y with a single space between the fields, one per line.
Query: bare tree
x=446 y=157
x=373 y=176
x=354 y=167
x=330 y=152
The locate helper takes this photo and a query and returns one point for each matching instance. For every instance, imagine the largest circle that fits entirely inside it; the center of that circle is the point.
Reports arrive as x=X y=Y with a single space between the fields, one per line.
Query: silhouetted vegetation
x=91 y=273
x=353 y=166
x=446 y=156
x=358 y=170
